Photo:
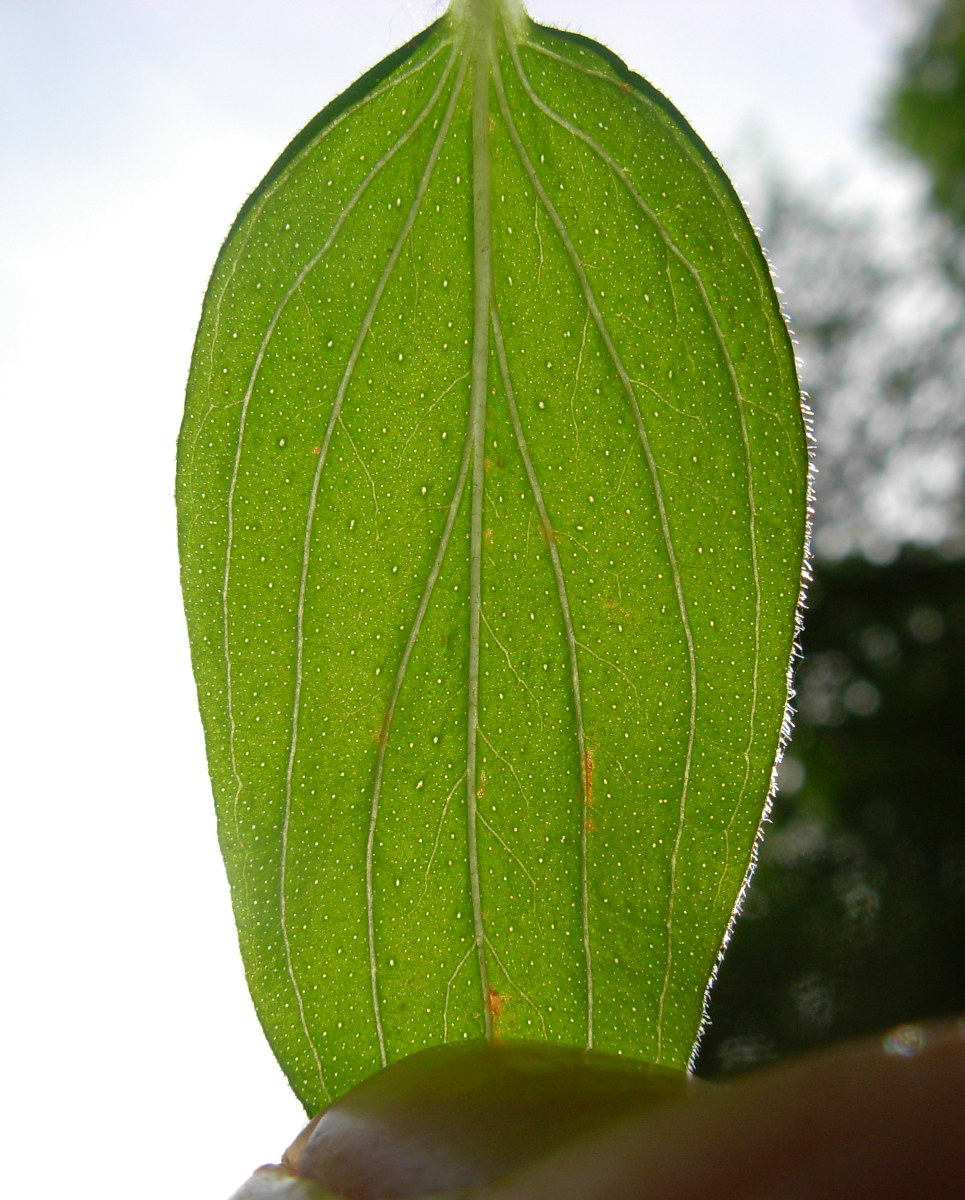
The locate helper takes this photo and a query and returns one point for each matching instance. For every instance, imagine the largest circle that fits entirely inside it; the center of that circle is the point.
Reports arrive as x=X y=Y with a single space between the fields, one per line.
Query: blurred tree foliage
x=925 y=112
x=855 y=920
x=881 y=332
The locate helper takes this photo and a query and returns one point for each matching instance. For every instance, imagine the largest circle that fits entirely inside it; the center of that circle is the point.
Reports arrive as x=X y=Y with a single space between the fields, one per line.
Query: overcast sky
x=131 y=132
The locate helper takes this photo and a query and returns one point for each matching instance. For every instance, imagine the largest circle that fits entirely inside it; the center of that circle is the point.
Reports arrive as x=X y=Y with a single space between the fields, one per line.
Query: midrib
x=480 y=27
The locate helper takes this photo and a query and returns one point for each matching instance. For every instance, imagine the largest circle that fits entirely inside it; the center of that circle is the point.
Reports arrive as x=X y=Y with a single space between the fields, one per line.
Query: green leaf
x=492 y=491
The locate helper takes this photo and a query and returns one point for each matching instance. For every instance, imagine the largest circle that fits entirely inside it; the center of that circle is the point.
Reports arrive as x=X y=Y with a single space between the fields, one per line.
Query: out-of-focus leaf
x=492 y=492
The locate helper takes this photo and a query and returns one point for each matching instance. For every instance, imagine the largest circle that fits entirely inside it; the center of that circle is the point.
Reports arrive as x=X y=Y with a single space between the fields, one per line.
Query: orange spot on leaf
x=496 y=1003
x=623 y=613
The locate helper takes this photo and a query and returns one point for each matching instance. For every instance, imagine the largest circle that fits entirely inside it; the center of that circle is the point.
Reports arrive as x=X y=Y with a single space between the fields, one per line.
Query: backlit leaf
x=492 y=492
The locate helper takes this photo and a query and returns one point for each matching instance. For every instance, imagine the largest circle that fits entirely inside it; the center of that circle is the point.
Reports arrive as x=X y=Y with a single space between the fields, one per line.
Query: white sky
x=131 y=132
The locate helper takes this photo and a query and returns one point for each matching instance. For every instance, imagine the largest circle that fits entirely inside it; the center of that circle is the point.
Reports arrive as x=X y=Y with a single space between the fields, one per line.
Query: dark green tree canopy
x=925 y=112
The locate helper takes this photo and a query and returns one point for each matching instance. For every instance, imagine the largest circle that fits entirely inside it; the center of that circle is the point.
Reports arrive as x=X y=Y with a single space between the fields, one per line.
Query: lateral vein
x=571 y=646
x=458 y=492
x=667 y=534
x=675 y=250
x=251 y=216
x=307 y=544
x=246 y=403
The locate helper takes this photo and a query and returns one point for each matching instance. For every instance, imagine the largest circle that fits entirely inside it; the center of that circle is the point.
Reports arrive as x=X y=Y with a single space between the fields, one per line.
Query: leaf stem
x=483 y=13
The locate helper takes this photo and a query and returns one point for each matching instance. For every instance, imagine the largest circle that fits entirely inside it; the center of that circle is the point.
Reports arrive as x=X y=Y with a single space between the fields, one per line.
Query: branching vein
x=307 y=553
x=573 y=658
x=654 y=473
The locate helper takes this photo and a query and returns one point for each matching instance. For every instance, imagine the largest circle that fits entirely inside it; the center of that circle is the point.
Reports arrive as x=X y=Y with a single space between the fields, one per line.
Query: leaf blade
x=462 y=659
